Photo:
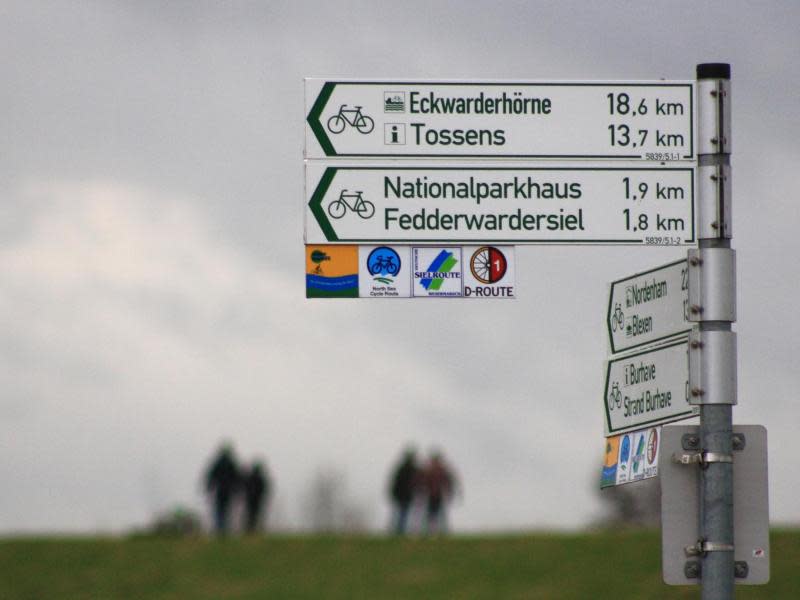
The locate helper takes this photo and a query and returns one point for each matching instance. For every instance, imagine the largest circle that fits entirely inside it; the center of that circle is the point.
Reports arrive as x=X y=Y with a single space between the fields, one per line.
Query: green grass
x=590 y=566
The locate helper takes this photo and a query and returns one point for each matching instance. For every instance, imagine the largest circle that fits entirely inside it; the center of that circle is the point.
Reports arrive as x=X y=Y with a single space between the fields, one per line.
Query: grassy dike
x=582 y=566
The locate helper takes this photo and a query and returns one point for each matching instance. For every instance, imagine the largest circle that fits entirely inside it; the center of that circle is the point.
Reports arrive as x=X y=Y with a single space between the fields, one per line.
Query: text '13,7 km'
x=651 y=121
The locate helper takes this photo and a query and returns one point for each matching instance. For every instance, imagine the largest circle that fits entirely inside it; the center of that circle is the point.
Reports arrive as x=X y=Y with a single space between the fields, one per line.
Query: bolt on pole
x=714 y=344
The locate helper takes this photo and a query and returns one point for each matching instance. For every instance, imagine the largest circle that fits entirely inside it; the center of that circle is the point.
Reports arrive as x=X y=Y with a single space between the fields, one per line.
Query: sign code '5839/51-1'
x=634 y=120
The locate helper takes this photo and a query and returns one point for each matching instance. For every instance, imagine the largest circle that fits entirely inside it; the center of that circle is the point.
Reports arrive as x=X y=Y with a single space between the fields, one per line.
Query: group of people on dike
x=425 y=489
x=227 y=482
x=419 y=492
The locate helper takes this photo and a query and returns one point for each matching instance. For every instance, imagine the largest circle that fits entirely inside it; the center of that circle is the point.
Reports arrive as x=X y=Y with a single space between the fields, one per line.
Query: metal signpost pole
x=713 y=347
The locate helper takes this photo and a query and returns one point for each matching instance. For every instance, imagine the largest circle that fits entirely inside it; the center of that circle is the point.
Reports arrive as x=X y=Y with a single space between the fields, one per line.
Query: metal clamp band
x=702 y=547
x=717 y=457
x=717 y=547
x=702 y=458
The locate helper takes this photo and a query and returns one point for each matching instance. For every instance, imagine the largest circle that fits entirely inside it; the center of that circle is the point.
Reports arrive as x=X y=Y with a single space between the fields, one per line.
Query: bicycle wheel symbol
x=366 y=209
x=391 y=267
x=488 y=264
x=336 y=124
x=365 y=124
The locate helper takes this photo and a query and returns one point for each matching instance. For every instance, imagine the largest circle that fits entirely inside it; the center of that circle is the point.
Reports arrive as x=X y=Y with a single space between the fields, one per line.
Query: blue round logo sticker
x=383 y=261
x=625 y=453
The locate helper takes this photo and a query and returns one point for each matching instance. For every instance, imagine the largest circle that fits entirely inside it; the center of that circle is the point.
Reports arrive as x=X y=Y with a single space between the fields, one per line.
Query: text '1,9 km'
x=625 y=204
x=631 y=120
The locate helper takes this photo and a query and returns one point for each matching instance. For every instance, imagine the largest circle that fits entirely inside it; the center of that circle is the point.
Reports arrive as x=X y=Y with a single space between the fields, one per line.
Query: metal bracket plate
x=714 y=216
x=714 y=116
x=712 y=367
x=712 y=284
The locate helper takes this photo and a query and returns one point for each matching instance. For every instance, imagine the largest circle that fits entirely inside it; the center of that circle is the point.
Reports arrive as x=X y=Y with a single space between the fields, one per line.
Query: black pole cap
x=714 y=71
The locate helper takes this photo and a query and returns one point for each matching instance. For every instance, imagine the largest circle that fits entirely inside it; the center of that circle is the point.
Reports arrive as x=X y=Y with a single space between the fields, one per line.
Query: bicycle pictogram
x=350 y=116
x=384 y=264
x=618 y=318
x=363 y=208
x=614 y=397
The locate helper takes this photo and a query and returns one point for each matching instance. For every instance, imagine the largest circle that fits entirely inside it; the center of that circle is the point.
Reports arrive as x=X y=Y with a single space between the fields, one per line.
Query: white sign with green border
x=631 y=120
x=500 y=203
x=648 y=388
x=649 y=307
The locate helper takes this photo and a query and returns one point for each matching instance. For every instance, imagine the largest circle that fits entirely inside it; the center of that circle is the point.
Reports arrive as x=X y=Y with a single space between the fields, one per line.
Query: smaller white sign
x=631 y=457
x=649 y=307
x=437 y=271
x=489 y=272
x=384 y=271
x=648 y=388
x=681 y=505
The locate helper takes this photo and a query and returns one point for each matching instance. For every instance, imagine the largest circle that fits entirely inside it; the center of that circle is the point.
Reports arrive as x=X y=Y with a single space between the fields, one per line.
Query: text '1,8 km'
x=625 y=204
x=615 y=120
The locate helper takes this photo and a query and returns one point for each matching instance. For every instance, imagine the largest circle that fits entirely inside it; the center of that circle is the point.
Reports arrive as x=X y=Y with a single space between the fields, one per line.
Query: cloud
x=135 y=338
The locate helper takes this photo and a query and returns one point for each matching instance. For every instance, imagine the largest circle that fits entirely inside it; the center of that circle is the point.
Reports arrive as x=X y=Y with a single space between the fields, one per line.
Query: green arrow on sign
x=315 y=204
x=314 y=119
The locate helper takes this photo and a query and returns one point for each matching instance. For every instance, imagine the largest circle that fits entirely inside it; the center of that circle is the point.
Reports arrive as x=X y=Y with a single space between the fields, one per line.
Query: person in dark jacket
x=256 y=486
x=439 y=485
x=222 y=482
x=404 y=484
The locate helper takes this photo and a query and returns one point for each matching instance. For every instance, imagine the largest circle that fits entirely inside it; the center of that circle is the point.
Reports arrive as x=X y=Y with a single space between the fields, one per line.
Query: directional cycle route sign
x=648 y=388
x=639 y=120
x=649 y=306
x=501 y=204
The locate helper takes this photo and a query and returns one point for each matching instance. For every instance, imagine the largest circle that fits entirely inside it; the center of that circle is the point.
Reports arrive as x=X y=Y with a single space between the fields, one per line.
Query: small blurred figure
x=178 y=522
x=439 y=485
x=256 y=485
x=222 y=481
x=404 y=485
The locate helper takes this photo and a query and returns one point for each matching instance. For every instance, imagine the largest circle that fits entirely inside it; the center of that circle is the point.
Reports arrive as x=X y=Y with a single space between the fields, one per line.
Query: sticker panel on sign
x=437 y=271
x=384 y=272
x=631 y=456
x=489 y=272
x=331 y=271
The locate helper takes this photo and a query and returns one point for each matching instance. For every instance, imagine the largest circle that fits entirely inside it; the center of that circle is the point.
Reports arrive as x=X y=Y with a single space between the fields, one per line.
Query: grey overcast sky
x=151 y=260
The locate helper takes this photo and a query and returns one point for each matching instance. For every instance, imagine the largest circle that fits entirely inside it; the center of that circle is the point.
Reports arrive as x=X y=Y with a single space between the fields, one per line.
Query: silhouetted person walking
x=222 y=480
x=256 y=486
x=439 y=486
x=404 y=485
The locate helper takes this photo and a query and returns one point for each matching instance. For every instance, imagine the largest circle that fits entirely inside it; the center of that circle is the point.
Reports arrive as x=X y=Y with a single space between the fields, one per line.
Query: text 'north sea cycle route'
x=626 y=204
x=633 y=120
